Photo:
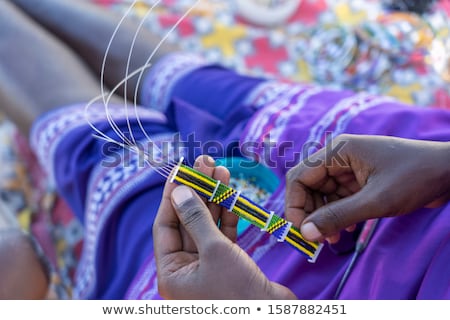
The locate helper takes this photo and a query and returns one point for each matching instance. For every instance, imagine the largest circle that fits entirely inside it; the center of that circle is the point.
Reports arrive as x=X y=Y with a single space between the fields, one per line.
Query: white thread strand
x=266 y=227
x=106 y=98
x=215 y=191
x=238 y=194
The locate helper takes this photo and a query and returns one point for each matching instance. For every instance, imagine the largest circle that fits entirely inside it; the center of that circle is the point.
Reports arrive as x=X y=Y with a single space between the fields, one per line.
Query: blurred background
x=396 y=48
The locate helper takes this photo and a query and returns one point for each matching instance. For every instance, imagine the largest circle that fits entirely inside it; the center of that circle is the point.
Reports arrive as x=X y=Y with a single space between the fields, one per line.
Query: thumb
x=195 y=217
x=339 y=215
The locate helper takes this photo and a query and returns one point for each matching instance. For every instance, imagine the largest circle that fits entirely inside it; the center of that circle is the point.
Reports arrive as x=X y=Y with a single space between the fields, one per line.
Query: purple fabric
x=404 y=250
x=406 y=259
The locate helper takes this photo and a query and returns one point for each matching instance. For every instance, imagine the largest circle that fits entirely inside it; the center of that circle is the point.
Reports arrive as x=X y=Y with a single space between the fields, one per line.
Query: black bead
x=416 y=6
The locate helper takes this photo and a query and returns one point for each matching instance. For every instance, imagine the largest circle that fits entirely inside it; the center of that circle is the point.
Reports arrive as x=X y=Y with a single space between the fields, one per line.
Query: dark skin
x=196 y=259
x=374 y=177
x=22 y=276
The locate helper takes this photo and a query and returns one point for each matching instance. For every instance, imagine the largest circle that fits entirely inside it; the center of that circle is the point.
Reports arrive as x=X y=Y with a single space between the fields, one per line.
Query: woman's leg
x=37 y=71
x=22 y=274
x=88 y=29
x=23 y=271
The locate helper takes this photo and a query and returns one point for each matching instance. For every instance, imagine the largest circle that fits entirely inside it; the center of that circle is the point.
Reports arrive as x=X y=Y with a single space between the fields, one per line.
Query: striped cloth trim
x=161 y=79
x=108 y=187
x=50 y=130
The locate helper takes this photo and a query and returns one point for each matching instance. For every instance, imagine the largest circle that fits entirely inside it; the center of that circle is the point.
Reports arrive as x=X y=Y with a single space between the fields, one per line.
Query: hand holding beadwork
x=196 y=259
x=362 y=178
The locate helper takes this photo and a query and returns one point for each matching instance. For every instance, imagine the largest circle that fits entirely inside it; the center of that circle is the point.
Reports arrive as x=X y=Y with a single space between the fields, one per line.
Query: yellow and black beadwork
x=217 y=192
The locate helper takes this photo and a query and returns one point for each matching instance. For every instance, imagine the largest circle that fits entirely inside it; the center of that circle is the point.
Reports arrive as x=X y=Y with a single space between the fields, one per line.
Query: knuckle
x=332 y=219
x=346 y=140
x=294 y=174
x=192 y=213
x=291 y=175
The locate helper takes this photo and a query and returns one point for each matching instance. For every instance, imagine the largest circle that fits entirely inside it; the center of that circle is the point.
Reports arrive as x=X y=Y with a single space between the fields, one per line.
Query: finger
x=167 y=237
x=329 y=185
x=342 y=214
x=348 y=180
x=318 y=200
x=168 y=233
x=333 y=239
x=345 y=178
x=204 y=164
x=438 y=202
x=343 y=191
x=222 y=174
x=301 y=181
x=332 y=197
x=166 y=216
x=195 y=217
x=314 y=174
x=169 y=186
x=295 y=201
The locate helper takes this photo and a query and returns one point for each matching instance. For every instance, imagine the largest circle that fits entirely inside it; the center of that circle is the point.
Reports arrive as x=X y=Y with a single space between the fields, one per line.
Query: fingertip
x=333 y=239
x=169 y=186
x=181 y=195
x=224 y=169
x=311 y=232
x=223 y=174
x=204 y=161
x=295 y=215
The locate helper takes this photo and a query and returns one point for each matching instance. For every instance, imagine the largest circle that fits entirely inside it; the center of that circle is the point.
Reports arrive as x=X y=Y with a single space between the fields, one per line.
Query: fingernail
x=310 y=231
x=181 y=194
x=210 y=161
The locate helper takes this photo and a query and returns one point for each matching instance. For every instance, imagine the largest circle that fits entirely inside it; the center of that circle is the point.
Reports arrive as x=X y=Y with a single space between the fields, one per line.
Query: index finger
x=301 y=183
x=167 y=238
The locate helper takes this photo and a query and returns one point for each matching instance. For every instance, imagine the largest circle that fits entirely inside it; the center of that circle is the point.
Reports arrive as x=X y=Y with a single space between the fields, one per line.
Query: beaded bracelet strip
x=217 y=192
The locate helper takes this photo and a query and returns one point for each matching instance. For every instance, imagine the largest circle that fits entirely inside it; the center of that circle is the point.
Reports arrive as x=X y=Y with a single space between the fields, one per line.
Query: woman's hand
x=195 y=258
x=365 y=177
